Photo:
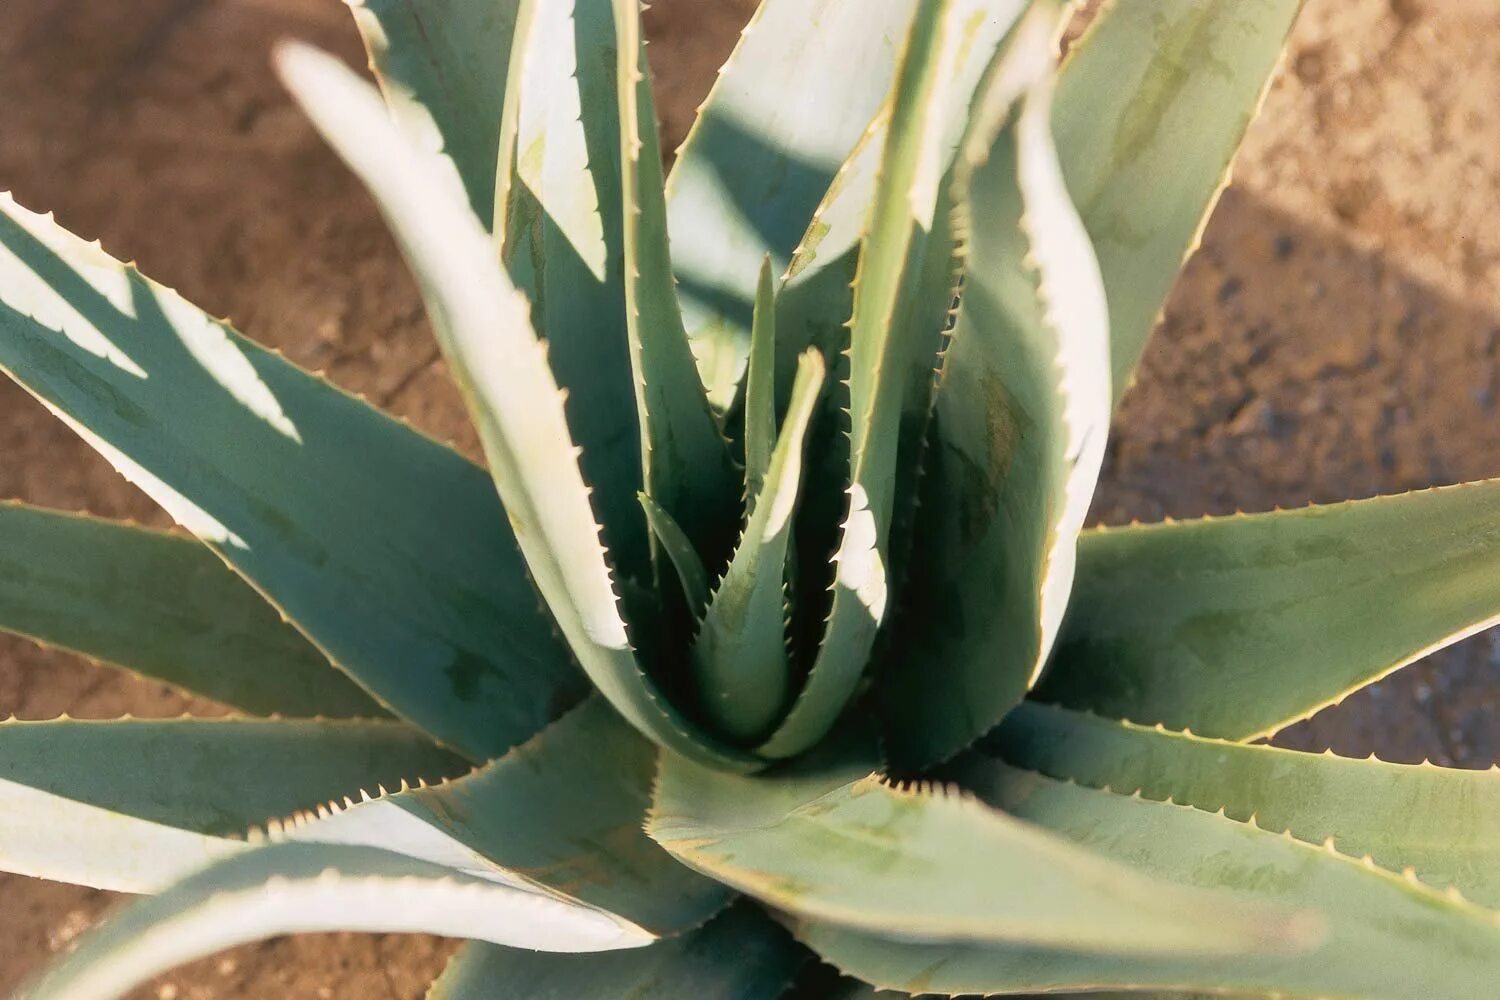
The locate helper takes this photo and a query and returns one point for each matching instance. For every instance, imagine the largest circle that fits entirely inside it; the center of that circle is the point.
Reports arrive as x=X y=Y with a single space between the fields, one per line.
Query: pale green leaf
x=385 y=548
x=1151 y=106
x=1235 y=627
x=162 y=606
x=483 y=325
x=1386 y=938
x=133 y=804
x=760 y=385
x=1442 y=822
x=684 y=558
x=1022 y=415
x=739 y=955
x=826 y=839
x=740 y=652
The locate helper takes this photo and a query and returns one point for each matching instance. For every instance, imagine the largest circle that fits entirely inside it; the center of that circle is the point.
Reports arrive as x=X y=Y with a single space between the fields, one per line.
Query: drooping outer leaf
x=1152 y=104
x=783 y=114
x=442 y=67
x=946 y=51
x=826 y=839
x=739 y=955
x=561 y=815
x=386 y=549
x=685 y=457
x=740 y=652
x=1235 y=627
x=1440 y=821
x=1021 y=418
x=305 y=888
x=1386 y=938
x=482 y=323
x=165 y=607
x=131 y=805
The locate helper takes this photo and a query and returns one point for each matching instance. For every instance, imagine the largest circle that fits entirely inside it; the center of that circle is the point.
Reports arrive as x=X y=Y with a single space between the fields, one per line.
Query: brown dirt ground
x=1337 y=336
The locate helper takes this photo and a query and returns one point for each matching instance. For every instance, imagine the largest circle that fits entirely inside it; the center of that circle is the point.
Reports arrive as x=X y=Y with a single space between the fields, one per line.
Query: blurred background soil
x=1337 y=336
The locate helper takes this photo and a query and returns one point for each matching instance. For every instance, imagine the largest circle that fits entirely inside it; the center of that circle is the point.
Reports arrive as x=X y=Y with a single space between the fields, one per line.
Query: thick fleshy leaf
x=561 y=816
x=165 y=607
x=739 y=955
x=784 y=113
x=1152 y=104
x=133 y=804
x=685 y=456
x=946 y=51
x=388 y=550
x=442 y=67
x=1440 y=821
x=740 y=652
x=827 y=839
x=691 y=575
x=1235 y=627
x=483 y=325
x=307 y=888
x=1386 y=938
x=760 y=385
x=1018 y=437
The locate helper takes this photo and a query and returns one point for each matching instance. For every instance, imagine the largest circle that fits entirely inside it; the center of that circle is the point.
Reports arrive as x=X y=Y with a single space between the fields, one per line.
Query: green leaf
x=388 y=550
x=949 y=44
x=685 y=559
x=1439 y=821
x=685 y=456
x=442 y=67
x=1022 y=415
x=1386 y=938
x=1236 y=627
x=827 y=839
x=739 y=955
x=165 y=607
x=1151 y=106
x=307 y=888
x=133 y=804
x=483 y=326
x=561 y=815
x=783 y=114
x=740 y=652
x=760 y=386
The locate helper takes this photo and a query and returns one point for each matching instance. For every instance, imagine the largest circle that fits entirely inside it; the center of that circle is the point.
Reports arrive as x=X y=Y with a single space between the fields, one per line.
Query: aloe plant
x=796 y=447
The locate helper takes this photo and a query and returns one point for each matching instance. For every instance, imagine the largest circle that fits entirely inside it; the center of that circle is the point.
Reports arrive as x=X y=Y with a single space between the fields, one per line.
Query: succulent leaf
x=388 y=550
x=826 y=839
x=133 y=804
x=1235 y=627
x=483 y=325
x=691 y=574
x=1387 y=937
x=948 y=46
x=306 y=888
x=740 y=652
x=783 y=114
x=1021 y=418
x=1151 y=105
x=165 y=607
x=1439 y=821
x=739 y=955
x=760 y=385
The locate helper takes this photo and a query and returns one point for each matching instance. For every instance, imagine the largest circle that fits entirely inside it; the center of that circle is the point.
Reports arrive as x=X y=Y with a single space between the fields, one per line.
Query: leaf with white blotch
x=308 y=888
x=1384 y=937
x=1236 y=627
x=1018 y=435
x=946 y=51
x=483 y=326
x=1152 y=104
x=825 y=838
x=388 y=550
x=162 y=606
x=1440 y=821
x=782 y=116
x=132 y=804
x=740 y=654
x=739 y=955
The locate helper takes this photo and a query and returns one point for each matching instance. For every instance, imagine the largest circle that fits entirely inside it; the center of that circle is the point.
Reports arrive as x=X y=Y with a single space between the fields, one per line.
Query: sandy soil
x=1337 y=336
